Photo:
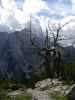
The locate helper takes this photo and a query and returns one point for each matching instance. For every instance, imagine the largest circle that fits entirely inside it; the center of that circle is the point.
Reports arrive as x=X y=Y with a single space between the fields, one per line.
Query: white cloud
x=73 y=5
x=34 y=6
x=71 y=20
x=16 y=18
x=9 y=12
x=30 y=8
x=21 y=17
x=6 y=10
x=68 y=31
x=8 y=4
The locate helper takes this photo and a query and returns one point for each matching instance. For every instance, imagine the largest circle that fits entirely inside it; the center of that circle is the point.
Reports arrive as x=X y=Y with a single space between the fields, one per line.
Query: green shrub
x=3 y=95
x=69 y=71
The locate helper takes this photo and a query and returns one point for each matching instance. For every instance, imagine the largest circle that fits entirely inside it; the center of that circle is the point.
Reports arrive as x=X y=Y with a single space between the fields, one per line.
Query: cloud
x=10 y=13
x=7 y=10
x=15 y=18
x=68 y=31
x=21 y=17
x=73 y=5
x=71 y=20
x=34 y=6
x=60 y=9
x=8 y=4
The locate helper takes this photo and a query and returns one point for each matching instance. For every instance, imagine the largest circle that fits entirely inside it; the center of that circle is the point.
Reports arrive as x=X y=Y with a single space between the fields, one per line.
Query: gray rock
x=71 y=92
x=43 y=84
x=48 y=83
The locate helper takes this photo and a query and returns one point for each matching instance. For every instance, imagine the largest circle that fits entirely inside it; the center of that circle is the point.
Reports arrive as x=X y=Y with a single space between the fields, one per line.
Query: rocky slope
x=49 y=89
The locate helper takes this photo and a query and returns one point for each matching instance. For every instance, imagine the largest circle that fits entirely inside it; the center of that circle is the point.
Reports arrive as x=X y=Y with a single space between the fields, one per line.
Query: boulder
x=56 y=82
x=71 y=92
x=43 y=84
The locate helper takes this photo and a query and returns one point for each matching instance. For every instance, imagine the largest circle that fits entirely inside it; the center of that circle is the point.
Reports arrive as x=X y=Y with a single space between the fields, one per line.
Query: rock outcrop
x=46 y=89
x=71 y=92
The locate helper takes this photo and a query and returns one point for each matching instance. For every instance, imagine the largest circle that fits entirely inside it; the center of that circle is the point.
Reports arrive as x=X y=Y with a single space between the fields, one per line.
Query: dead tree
x=48 y=53
x=57 y=54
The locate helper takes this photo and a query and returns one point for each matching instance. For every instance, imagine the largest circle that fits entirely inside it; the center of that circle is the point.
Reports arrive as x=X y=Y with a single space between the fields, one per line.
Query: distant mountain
x=69 y=54
x=17 y=54
x=18 y=58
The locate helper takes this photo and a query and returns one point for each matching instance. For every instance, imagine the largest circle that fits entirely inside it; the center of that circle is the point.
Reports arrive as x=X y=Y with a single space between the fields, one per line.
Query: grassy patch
x=23 y=98
x=3 y=96
x=58 y=96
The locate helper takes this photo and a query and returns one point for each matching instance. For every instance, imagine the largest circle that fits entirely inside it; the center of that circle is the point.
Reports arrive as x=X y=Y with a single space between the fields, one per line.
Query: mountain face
x=3 y=54
x=18 y=58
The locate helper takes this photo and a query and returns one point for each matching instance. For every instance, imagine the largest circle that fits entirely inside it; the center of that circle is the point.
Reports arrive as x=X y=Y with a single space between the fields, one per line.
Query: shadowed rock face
x=22 y=56
x=3 y=54
x=17 y=56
